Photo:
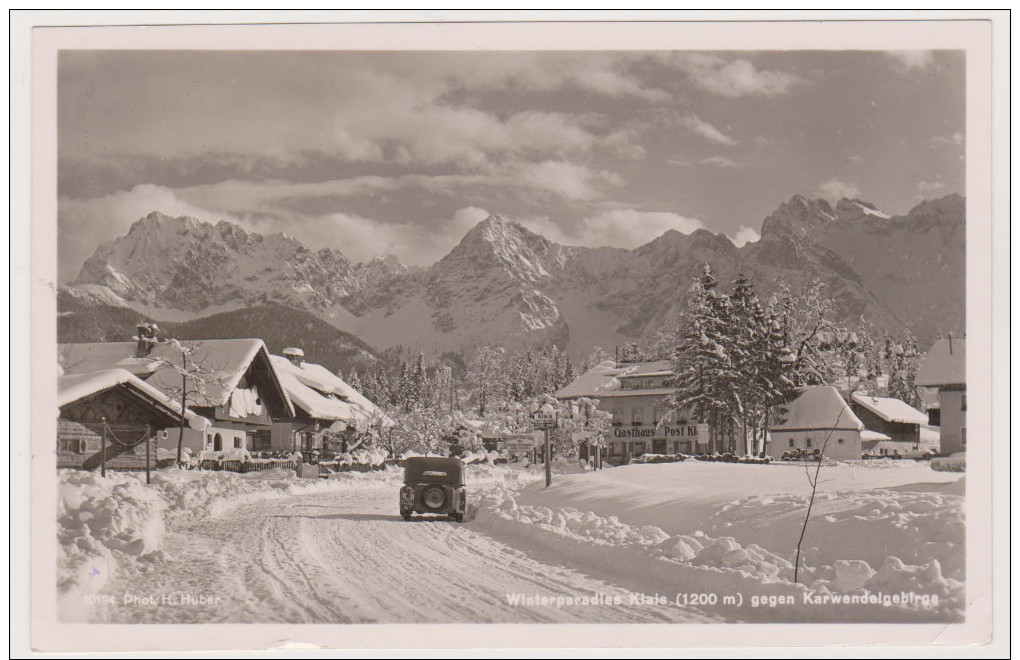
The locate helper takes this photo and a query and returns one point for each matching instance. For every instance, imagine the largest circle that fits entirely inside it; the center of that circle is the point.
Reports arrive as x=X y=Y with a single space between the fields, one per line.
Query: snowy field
x=674 y=542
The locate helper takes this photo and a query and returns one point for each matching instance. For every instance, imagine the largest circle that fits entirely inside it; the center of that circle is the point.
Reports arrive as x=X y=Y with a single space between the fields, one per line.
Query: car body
x=433 y=485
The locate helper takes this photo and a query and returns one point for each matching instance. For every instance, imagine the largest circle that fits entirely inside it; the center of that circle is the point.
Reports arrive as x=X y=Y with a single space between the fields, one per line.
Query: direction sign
x=544 y=420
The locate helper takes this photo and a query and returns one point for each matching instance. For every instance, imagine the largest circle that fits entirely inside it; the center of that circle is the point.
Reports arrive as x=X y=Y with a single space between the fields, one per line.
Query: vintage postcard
x=678 y=330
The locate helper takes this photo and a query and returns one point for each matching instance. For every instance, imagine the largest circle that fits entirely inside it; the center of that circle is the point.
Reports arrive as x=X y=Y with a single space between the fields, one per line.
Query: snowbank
x=955 y=463
x=117 y=523
x=875 y=531
x=98 y=521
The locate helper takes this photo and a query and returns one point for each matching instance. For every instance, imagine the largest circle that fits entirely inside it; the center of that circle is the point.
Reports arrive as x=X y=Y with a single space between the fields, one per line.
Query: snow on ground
x=335 y=551
x=877 y=527
x=106 y=523
x=280 y=548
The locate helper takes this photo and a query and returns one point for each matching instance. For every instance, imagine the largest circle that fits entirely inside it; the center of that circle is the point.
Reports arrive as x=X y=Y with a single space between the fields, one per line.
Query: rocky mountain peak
x=801 y=215
x=506 y=284
x=519 y=252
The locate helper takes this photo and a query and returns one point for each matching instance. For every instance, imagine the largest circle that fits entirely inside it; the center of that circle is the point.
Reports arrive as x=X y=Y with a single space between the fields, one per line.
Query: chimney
x=145 y=335
x=295 y=355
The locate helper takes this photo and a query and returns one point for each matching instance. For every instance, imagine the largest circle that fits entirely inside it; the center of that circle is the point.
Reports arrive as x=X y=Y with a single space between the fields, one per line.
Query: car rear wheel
x=406 y=515
x=433 y=497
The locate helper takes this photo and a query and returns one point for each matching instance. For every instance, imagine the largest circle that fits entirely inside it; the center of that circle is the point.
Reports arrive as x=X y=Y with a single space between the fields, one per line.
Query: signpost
x=520 y=444
x=703 y=434
x=545 y=420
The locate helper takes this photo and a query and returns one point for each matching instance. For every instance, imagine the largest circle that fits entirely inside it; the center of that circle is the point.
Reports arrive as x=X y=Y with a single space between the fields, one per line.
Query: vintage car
x=433 y=485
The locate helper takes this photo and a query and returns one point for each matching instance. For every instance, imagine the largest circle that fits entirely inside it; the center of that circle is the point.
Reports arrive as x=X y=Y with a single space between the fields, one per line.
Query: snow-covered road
x=347 y=557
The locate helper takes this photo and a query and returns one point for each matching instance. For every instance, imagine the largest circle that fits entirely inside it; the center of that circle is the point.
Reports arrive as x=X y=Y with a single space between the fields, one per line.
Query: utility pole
x=102 y=453
x=548 y=458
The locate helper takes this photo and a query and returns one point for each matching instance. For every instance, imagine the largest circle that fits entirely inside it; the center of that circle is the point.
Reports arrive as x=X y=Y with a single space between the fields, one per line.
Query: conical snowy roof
x=819 y=408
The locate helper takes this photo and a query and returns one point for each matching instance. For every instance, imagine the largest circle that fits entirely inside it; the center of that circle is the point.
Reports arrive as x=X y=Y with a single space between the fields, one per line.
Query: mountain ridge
x=503 y=283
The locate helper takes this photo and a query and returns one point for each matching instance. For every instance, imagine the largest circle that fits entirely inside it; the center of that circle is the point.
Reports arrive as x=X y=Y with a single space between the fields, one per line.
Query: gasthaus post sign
x=668 y=431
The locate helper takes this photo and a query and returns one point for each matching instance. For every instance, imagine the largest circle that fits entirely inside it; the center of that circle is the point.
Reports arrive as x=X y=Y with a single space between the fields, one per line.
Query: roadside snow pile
x=98 y=520
x=954 y=463
x=373 y=457
x=571 y=522
x=872 y=531
x=480 y=456
x=914 y=527
x=103 y=522
x=743 y=565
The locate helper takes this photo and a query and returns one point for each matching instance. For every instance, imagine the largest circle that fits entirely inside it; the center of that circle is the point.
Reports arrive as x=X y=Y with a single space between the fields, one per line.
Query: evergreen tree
x=568 y=373
x=631 y=352
x=748 y=343
x=706 y=380
x=487 y=375
x=419 y=382
x=354 y=381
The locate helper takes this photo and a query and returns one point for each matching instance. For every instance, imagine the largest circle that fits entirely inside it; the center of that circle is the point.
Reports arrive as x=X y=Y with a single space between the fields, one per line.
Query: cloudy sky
x=401 y=153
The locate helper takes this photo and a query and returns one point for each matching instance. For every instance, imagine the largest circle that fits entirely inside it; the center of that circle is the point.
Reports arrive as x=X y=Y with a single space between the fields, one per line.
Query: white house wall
x=952 y=422
x=842 y=445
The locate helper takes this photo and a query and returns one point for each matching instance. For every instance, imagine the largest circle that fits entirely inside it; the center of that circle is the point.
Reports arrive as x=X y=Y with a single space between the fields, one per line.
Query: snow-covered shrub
x=954 y=463
x=658 y=458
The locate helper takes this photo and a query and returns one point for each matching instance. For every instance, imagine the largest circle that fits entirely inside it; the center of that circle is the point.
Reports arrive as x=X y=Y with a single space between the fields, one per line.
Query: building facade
x=895 y=426
x=635 y=393
x=112 y=418
x=945 y=367
x=328 y=413
x=818 y=419
x=229 y=382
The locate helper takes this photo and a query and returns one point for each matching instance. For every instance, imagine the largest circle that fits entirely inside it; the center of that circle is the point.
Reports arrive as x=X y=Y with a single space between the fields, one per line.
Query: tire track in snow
x=348 y=557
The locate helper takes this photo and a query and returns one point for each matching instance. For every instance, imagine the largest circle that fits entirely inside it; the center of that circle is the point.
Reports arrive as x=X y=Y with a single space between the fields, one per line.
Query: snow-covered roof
x=74 y=387
x=891 y=410
x=603 y=380
x=819 y=408
x=648 y=374
x=945 y=364
x=324 y=395
x=225 y=360
x=873 y=436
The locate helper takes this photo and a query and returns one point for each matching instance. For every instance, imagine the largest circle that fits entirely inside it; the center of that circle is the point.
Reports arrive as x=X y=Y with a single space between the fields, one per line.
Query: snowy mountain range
x=503 y=284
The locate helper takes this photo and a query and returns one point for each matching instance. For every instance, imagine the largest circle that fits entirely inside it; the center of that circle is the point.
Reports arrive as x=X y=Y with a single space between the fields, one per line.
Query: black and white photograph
x=480 y=335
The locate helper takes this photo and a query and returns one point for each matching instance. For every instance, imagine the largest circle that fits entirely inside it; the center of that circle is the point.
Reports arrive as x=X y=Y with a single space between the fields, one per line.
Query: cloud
x=718 y=161
x=363 y=108
x=745 y=235
x=835 y=190
x=925 y=187
x=909 y=60
x=735 y=78
x=414 y=243
x=621 y=227
x=678 y=161
x=954 y=140
x=698 y=126
x=567 y=180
